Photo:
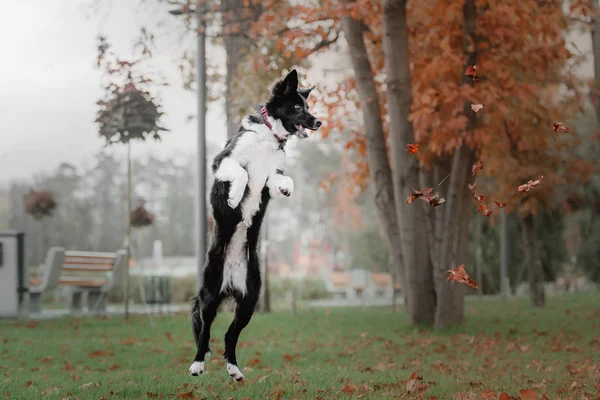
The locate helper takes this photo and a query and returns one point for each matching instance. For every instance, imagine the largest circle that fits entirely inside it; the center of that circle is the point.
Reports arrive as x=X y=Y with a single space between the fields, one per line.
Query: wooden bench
x=82 y=272
x=338 y=284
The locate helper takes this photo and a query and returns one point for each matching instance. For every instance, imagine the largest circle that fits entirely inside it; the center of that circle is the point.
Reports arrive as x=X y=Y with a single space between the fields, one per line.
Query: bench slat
x=89 y=254
x=81 y=281
x=89 y=268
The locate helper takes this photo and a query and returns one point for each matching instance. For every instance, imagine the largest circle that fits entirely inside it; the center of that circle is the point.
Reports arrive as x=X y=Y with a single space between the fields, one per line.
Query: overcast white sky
x=49 y=83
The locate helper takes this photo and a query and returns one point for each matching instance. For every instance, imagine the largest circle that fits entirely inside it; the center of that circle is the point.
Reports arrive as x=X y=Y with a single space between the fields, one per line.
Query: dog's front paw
x=233 y=203
x=286 y=186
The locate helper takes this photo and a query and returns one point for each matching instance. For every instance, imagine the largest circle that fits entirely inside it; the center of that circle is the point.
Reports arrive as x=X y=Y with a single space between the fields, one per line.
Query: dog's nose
x=318 y=124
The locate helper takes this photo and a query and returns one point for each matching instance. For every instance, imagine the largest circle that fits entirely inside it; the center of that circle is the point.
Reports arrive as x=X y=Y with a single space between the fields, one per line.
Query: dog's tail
x=196 y=319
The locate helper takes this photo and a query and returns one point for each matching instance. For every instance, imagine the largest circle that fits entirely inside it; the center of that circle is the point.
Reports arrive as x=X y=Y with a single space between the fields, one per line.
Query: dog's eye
x=298 y=107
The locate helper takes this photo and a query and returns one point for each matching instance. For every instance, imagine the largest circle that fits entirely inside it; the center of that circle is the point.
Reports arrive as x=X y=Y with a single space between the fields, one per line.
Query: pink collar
x=264 y=113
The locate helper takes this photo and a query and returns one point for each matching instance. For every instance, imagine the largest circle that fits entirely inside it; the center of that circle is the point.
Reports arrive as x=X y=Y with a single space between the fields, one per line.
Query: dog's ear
x=290 y=83
x=305 y=92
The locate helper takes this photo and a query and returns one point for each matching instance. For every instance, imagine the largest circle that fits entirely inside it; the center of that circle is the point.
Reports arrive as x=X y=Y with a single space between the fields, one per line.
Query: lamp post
x=201 y=179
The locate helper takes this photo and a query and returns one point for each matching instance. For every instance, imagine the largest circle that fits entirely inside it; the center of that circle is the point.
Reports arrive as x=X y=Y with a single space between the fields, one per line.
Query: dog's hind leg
x=243 y=313
x=204 y=307
x=207 y=304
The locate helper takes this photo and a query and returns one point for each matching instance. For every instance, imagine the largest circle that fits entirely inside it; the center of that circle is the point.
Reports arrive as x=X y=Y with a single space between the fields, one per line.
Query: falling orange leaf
x=412 y=148
x=560 y=126
x=485 y=211
x=476 y=107
x=471 y=72
x=477 y=166
x=460 y=275
x=500 y=205
x=526 y=187
x=426 y=195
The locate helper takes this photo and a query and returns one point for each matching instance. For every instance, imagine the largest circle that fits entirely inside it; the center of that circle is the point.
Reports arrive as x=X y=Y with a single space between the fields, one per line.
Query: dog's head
x=288 y=104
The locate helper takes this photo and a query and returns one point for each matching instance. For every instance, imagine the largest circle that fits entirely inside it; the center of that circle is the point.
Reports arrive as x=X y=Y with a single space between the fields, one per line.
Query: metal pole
x=504 y=283
x=201 y=181
x=128 y=233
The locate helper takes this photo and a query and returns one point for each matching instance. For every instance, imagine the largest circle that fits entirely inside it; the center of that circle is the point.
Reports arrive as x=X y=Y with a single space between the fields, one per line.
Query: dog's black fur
x=288 y=109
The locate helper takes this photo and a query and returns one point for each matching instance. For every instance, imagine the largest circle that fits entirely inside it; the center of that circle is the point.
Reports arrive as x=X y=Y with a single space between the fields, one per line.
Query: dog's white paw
x=286 y=186
x=232 y=202
x=235 y=372
x=197 y=368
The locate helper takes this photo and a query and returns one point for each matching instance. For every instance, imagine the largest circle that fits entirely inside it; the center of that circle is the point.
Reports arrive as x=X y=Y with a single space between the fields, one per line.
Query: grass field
x=504 y=346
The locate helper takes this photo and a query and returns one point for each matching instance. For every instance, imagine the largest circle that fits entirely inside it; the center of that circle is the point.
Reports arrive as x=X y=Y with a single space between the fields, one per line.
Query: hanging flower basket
x=129 y=114
x=141 y=217
x=40 y=204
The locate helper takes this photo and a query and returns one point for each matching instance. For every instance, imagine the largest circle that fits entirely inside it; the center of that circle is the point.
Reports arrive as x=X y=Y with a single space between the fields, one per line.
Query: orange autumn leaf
x=504 y=396
x=477 y=166
x=476 y=107
x=528 y=394
x=412 y=148
x=526 y=187
x=186 y=395
x=500 y=205
x=460 y=275
x=478 y=197
x=427 y=195
x=471 y=72
x=485 y=211
x=558 y=125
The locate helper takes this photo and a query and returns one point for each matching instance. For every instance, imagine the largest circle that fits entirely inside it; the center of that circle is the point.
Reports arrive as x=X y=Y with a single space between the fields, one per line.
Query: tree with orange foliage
x=420 y=50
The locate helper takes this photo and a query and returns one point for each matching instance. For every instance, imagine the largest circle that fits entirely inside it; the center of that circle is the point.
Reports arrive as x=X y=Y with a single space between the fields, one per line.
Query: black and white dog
x=248 y=173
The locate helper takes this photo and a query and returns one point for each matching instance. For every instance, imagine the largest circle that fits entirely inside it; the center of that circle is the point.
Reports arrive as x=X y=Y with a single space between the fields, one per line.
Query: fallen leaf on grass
x=477 y=166
x=412 y=148
x=526 y=187
x=476 y=107
x=89 y=385
x=100 y=353
x=69 y=367
x=28 y=384
x=169 y=336
x=349 y=388
x=128 y=342
x=427 y=195
x=113 y=367
x=47 y=360
x=186 y=395
x=151 y=395
x=528 y=394
x=558 y=125
x=416 y=384
x=471 y=72
x=253 y=362
x=288 y=357
x=460 y=275
x=50 y=390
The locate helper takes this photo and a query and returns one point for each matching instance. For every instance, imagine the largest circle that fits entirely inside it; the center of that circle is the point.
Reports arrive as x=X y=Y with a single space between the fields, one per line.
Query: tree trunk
x=452 y=226
x=237 y=21
x=379 y=167
x=534 y=263
x=421 y=295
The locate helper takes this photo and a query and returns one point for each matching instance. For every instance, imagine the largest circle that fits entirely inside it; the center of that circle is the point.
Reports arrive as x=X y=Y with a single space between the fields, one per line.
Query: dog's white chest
x=261 y=160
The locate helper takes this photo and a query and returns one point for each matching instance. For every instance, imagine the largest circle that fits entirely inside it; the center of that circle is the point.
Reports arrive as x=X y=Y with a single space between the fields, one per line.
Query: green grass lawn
x=369 y=353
